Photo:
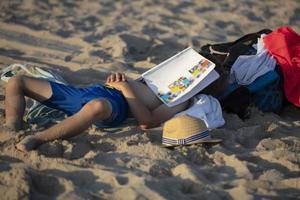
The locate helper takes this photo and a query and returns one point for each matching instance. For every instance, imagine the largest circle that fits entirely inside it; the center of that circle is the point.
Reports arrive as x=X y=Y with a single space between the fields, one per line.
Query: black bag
x=224 y=55
x=238 y=102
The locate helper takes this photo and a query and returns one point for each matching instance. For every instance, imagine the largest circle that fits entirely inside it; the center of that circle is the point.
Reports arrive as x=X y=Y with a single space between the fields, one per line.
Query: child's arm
x=146 y=118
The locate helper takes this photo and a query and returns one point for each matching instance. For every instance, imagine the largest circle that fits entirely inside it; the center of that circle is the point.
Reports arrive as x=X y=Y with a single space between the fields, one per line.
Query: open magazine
x=180 y=77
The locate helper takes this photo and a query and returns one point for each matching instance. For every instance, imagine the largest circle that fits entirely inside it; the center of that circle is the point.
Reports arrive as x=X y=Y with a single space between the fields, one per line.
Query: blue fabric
x=266 y=91
x=247 y=68
x=70 y=100
x=269 y=97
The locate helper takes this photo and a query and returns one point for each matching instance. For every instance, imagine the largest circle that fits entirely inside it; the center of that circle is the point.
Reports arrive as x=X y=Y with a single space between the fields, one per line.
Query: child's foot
x=12 y=128
x=6 y=133
x=28 y=143
x=13 y=124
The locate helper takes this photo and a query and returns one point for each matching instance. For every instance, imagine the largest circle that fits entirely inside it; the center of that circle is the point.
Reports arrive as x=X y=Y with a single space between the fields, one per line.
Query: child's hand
x=116 y=77
x=118 y=85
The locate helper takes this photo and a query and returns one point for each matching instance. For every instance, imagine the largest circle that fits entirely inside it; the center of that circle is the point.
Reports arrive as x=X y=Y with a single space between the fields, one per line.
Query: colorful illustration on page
x=176 y=88
x=166 y=97
x=182 y=83
x=179 y=85
x=200 y=68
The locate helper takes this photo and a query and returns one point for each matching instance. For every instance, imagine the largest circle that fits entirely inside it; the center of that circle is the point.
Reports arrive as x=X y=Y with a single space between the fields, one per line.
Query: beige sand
x=85 y=41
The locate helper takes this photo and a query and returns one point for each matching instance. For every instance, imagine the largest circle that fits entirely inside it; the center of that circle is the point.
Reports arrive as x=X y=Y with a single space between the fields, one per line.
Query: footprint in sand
x=122 y=180
x=105 y=147
x=75 y=151
x=157 y=170
x=43 y=184
x=52 y=149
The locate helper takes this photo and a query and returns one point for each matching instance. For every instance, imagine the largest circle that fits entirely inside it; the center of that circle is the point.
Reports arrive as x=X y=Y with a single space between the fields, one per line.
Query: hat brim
x=202 y=141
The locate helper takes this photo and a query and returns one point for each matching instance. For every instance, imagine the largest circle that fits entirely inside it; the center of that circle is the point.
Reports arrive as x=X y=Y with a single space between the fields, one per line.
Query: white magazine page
x=211 y=77
x=178 y=75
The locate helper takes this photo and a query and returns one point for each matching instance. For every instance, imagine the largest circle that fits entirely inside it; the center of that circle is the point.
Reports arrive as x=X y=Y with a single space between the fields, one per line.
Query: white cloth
x=247 y=69
x=206 y=108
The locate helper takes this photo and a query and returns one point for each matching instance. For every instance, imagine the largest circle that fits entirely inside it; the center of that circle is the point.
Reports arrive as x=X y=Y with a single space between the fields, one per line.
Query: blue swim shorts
x=70 y=100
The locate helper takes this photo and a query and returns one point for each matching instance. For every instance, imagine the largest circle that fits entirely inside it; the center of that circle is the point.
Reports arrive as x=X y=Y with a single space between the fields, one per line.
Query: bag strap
x=222 y=51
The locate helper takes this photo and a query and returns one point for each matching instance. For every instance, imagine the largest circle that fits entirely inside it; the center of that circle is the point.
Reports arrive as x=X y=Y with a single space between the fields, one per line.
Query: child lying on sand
x=103 y=105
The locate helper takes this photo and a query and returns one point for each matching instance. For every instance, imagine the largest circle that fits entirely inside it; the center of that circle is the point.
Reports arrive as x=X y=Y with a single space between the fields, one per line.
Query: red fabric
x=284 y=45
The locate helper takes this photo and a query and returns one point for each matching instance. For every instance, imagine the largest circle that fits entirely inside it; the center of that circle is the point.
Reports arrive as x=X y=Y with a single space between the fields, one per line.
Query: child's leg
x=98 y=109
x=17 y=88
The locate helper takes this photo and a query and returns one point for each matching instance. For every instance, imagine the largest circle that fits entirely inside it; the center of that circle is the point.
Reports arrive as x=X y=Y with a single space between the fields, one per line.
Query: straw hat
x=184 y=130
